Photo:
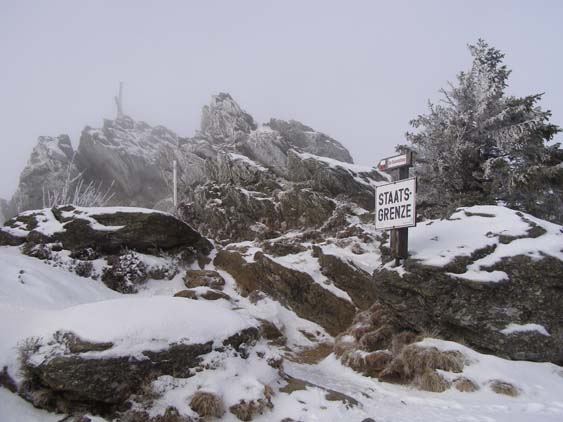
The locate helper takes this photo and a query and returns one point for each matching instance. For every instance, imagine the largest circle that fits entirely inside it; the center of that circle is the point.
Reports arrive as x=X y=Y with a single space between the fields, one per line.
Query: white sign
x=395 y=162
x=395 y=204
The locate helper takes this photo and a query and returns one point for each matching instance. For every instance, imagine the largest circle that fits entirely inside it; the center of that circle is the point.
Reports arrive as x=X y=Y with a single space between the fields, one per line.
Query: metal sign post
x=395 y=204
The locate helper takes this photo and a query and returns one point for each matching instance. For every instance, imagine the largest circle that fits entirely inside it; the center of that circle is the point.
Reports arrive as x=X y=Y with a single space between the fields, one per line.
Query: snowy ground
x=37 y=299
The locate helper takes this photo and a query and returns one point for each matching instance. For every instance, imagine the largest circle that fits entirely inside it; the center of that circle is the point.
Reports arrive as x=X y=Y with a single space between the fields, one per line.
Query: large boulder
x=516 y=319
x=97 y=367
x=105 y=230
x=487 y=276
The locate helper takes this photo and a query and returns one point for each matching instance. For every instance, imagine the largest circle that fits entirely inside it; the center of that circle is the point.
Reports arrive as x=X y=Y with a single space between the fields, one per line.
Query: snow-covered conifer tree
x=480 y=145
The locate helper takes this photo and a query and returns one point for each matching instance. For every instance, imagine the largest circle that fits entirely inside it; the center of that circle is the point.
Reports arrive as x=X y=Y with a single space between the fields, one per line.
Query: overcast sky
x=356 y=70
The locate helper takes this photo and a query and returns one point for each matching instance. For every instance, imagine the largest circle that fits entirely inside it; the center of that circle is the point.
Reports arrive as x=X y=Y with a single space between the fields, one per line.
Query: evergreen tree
x=480 y=146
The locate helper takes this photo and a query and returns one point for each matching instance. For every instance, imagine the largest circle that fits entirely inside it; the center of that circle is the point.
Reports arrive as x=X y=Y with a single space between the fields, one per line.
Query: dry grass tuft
x=431 y=381
x=401 y=340
x=418 y=359
x=207 y=404
x=503 y=387
x=246 y=410
x=370 y=364
x=465 y=385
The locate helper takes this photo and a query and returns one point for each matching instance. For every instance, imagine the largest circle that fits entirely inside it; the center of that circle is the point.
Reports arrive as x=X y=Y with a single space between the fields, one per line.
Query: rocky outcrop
x=354 y=281
x=427 y=298
x=74 y=379
x=51 y=166
x=308 y=140
x=104 y=230
x=336 y=180
x=224 y=121
x=232 y=175
x=131 y=157
x=294 y=289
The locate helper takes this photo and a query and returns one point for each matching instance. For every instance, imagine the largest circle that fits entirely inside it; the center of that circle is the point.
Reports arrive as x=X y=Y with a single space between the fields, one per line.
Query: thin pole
x=175 y=183
x=400 y=237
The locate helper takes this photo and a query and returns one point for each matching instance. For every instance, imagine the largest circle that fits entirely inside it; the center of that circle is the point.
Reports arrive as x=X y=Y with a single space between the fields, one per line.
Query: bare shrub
x=7 y=381
x=84 y=269
x=26 y=350
x=126 y=272
x=207 y=404
x=76 y=192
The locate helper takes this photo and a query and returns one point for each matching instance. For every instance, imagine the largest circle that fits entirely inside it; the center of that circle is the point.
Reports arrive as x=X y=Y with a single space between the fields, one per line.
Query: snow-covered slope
x=26 y=312
x=44 y=302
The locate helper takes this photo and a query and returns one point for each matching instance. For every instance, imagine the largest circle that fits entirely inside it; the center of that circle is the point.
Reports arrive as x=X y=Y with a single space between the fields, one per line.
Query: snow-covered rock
x=223 y=121
x=478 y=273
x=51 y=165
x=130 y=156
x=308 y=140
x=99 y=362
x=106 y=230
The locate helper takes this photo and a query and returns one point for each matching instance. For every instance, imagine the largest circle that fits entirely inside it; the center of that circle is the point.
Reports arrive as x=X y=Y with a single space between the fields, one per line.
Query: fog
x=356 y=70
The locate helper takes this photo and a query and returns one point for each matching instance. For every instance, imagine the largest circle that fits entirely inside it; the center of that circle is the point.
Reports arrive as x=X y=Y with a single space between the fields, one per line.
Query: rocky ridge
x=236 y=180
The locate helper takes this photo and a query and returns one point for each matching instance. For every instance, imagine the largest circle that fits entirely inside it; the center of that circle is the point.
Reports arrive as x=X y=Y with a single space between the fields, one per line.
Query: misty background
x=355 y=70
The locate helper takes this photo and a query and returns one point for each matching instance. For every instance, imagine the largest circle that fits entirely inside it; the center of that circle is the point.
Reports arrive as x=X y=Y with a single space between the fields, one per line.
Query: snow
x=525 y=328
x=438 y=242
x=29 y=283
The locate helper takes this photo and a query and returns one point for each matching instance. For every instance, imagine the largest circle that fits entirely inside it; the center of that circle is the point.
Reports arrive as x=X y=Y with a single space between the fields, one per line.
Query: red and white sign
x=395 y=162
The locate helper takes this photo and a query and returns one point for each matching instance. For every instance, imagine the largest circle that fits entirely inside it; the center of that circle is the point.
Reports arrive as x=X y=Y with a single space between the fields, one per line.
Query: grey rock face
x=290 y=287
x=308 y=140
x=334 y=180
x=132 y=156
x=235 y=181
x=52 y=164
x=224 y=121
x=427 y=298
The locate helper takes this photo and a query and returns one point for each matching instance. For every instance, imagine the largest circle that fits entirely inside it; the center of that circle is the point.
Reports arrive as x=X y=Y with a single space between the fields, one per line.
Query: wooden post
x=400 y=237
